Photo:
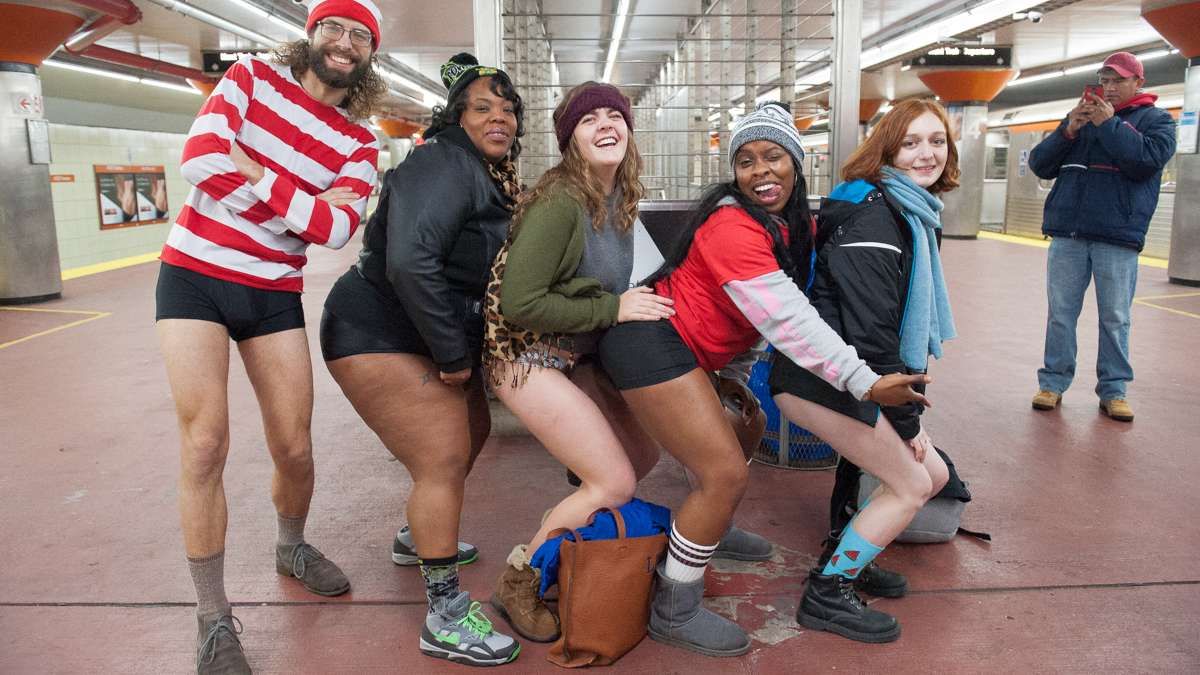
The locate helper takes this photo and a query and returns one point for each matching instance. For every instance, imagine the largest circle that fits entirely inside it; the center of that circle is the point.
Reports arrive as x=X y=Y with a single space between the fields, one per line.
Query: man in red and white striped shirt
x=278 y=158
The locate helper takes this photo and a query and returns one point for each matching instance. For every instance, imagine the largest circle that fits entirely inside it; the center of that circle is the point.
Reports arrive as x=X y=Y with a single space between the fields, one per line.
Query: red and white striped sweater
x=256 y=235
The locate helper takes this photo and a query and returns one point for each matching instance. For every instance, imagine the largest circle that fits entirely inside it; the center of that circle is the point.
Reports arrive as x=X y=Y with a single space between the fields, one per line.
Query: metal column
x=844 y=77
x=29 y=266
x=961 y=216
x=1184 y=264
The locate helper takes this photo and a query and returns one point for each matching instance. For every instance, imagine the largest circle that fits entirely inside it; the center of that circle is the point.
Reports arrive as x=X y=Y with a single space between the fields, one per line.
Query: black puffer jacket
x=861 y=284
x=430 y=244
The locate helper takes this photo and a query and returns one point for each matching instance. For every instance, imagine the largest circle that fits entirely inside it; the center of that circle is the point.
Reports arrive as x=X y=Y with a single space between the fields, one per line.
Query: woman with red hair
x=879 y=284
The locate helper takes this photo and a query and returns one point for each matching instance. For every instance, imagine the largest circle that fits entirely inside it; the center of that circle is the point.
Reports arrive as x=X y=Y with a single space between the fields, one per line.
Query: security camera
x=1034 y=17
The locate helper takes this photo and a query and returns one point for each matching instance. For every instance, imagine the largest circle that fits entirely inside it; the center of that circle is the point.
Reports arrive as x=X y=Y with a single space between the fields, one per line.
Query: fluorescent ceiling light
x=615 y=44
x=253 y=9
x=1157 y=54
x=213 y=20
x=944 y=29
x=1037 y=78
x=121 y=76
x=288 y=26
x=90 y=71
x=171 y=85
x=1085 y=68
x=428 y=98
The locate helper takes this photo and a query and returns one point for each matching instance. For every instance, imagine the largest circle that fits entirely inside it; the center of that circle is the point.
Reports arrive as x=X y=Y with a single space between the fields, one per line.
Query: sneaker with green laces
x=460 y=632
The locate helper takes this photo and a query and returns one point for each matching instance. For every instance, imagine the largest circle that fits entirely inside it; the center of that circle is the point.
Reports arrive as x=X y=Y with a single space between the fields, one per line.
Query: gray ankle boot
x=676 y=618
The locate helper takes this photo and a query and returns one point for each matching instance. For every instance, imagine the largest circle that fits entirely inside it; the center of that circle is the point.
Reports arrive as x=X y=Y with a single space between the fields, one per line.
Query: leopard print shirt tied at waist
x=511 y=349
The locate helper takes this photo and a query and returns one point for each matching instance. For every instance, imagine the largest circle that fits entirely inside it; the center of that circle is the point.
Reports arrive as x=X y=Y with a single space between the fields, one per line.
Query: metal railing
x=719 y=63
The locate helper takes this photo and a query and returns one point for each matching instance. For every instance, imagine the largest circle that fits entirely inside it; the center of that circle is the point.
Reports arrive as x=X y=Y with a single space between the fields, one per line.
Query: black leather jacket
x=861 y=286
x=441 y=220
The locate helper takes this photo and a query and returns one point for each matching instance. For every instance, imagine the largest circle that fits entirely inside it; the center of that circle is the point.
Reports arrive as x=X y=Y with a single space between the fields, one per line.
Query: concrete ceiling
x=422 y=35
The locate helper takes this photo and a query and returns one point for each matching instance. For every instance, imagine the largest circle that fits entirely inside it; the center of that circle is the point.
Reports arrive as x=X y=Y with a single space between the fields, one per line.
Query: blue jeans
x=1070 y=267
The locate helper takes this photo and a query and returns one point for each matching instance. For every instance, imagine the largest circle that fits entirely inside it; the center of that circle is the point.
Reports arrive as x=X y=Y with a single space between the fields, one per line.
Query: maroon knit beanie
x=594 y=96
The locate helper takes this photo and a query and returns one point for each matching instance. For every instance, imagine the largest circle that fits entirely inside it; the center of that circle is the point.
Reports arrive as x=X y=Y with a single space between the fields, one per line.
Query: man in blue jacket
x=1107 y=156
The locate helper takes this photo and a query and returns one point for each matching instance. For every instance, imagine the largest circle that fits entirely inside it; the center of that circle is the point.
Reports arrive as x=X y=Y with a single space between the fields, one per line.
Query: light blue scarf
x=927 y=321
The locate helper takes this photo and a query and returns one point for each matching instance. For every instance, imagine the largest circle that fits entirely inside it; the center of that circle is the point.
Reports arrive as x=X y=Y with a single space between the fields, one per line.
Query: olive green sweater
x=540 y=291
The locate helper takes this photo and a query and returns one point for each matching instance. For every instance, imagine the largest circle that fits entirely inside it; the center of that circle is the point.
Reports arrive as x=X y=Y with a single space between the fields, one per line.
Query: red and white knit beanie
x=362 y=11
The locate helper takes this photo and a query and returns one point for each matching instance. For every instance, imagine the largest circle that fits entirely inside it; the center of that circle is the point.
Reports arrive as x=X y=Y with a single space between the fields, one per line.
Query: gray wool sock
x=291 y=530
x=208 y=576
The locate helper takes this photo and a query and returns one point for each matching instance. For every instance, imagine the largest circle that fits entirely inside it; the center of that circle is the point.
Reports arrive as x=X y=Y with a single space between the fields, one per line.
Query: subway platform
x=1092 y=567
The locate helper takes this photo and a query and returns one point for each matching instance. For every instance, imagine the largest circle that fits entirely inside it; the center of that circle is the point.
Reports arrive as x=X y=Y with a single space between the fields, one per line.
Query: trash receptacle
x=784 y=444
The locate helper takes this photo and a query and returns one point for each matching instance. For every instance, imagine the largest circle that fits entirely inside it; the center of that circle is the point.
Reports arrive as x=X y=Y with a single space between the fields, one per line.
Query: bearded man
x=279 y=158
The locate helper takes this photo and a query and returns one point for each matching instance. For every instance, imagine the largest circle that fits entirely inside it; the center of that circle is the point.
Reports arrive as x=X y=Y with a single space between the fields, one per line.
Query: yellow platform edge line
x=1170 y=296
x=76 y=272
x=1158 y=263
x=54 y=311
x=1140 y=302
x=65 y=326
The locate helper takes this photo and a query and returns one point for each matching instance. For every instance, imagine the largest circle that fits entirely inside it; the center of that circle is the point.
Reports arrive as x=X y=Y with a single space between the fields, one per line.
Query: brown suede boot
x=517 y=600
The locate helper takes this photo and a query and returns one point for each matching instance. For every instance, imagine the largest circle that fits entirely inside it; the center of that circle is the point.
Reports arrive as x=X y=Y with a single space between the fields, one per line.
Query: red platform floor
x=1093 y=567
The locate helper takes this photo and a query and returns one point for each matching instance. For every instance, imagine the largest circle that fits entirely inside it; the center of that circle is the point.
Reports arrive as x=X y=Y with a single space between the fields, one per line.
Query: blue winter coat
x=1108 y=177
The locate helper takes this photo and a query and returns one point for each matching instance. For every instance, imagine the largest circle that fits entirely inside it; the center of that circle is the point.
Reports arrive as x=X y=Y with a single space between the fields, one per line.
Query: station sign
x=217 y=62
x=971 y=56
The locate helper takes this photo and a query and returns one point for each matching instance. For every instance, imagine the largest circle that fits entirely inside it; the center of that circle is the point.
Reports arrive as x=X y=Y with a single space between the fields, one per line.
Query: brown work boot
x=1046 y=400
x=318 y=573
x=517 y=600
x=218 y=651
x=1118 y=409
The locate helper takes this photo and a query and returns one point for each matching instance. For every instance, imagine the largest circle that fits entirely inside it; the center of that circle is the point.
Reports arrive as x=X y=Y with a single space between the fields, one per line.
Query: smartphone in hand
x=1093 y=89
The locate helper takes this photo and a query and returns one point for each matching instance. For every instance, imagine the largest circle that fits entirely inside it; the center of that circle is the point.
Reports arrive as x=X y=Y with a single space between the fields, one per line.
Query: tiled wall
x=74 y=150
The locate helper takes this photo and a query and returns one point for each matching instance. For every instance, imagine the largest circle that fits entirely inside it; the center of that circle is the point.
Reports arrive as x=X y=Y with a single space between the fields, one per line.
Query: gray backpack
x=937 y=521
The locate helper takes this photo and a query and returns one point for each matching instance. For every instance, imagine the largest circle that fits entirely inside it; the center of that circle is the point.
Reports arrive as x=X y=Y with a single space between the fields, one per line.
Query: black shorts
x=245 y=311
x=788 y=378
x=340 y=338
x=358 y=319
x=643 y=353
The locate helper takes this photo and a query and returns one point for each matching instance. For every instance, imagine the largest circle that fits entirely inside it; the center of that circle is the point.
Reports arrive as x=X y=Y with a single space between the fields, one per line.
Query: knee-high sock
x=852 y=554
x=686 y=561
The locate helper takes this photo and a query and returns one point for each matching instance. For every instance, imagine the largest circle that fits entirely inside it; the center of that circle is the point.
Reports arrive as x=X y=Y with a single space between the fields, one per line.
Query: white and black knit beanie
x=770 y=121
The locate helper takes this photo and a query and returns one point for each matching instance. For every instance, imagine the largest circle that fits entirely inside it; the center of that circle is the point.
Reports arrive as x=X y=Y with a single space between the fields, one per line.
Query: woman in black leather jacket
x=402 y=333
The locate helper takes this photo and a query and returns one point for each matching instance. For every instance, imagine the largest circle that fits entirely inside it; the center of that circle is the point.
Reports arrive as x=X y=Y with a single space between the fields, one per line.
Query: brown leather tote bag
x=604 y=588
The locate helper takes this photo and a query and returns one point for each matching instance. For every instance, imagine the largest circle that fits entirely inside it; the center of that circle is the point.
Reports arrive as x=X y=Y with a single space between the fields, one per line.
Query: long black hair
x=793 y=257
x=450 y=114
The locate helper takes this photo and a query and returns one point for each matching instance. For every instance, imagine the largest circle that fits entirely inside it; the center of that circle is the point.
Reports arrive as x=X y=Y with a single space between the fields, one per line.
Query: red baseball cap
x=1125 y=65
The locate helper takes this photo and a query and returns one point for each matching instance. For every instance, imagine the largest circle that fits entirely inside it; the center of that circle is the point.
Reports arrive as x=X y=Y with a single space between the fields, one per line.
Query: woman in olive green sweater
x=562 y=278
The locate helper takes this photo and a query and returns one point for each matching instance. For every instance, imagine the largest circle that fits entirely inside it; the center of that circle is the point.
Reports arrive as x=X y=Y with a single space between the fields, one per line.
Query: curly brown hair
x=575 y=176
x=881 y=147
x=361 y=99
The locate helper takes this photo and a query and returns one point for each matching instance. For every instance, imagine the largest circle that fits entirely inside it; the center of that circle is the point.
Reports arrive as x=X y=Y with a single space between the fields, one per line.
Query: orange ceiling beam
x=1179 y=24
x=33 y=33
x=399 y=128
x=961 y=86
x=867 y=107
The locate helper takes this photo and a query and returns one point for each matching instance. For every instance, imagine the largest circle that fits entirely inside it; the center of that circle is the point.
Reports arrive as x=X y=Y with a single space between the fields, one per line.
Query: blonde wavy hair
x=575 y=176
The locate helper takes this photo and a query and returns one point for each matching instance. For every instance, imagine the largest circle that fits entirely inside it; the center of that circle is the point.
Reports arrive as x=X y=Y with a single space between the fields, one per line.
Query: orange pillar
x=966 y=93
x=1178 y=21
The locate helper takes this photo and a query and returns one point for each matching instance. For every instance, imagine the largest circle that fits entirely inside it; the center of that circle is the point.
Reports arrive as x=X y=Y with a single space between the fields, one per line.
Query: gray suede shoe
x=738 y=544
x=318 y=573
x=676 y=618
x=218 y=651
